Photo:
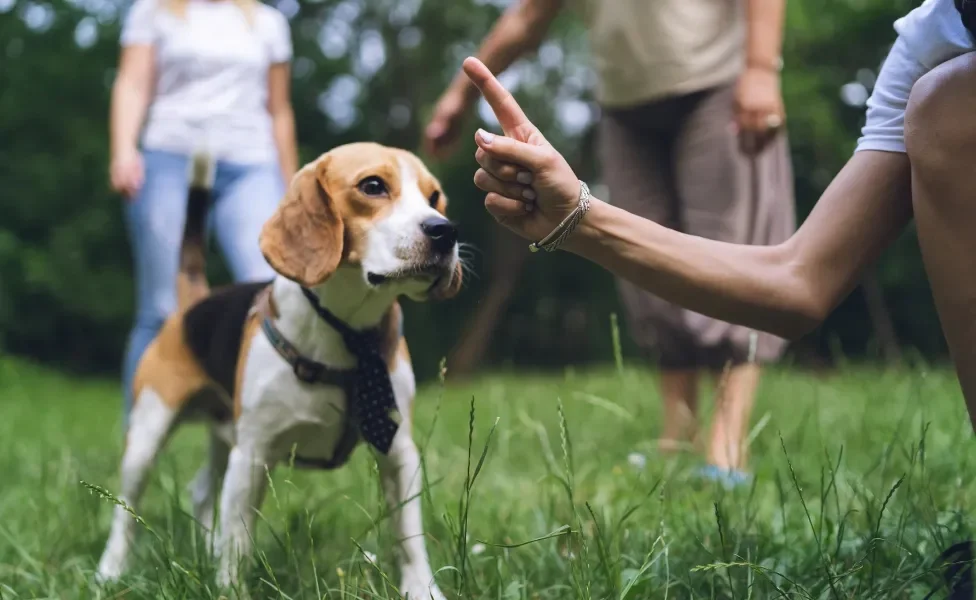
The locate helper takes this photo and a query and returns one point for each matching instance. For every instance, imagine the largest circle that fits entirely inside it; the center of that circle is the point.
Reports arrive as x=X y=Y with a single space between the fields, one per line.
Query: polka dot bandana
x=373 y=402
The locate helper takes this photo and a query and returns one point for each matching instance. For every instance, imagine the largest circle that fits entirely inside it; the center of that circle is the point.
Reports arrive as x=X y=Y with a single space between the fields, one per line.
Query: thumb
x=506 y=149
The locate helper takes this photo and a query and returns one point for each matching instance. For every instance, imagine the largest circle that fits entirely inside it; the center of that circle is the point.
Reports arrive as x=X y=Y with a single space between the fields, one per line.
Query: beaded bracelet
x=568 y=225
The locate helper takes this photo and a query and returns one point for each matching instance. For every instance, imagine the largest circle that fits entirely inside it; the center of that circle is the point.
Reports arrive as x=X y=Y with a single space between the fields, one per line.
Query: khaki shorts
x=677 y=162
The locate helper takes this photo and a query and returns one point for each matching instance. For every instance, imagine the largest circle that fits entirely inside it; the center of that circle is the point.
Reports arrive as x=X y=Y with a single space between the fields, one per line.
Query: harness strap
x=305 y=369
x=373 y=399
x=309 y=371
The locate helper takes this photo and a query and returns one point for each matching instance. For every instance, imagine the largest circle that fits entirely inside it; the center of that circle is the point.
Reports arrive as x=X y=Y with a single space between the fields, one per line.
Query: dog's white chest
x=280 y=414
x=284 y=415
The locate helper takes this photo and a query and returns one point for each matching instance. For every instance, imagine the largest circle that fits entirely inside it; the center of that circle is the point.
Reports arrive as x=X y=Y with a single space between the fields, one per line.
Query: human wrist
x=587 y=233
x=768 y=64
x=564 y=229
x=123 y=149
x=760 y=75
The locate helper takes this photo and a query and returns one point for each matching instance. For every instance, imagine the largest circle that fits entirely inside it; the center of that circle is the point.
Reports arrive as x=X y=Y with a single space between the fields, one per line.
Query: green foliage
x=828 y=44
x=65 y=273
x=544 y=493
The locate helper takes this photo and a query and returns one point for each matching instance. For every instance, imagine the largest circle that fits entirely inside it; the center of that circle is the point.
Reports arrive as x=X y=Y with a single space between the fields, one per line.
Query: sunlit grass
x=862 y=479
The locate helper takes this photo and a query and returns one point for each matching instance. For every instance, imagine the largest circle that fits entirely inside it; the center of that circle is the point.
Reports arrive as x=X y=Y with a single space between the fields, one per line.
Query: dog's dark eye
x=434 y=198
x=373 y=186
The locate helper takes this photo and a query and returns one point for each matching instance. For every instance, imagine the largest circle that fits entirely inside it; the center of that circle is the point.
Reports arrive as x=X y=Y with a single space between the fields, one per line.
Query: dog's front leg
x=243 y=491
x=152 y=420
x=402 y=480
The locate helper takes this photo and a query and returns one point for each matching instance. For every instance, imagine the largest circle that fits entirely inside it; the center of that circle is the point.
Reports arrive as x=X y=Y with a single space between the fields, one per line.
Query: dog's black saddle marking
x=214 y=327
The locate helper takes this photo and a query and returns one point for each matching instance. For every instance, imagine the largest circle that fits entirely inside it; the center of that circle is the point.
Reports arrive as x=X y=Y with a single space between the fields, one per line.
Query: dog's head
x=368 y=207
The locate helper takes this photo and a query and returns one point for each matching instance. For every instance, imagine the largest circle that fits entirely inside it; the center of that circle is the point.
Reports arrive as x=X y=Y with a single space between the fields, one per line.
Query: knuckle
x=549 y=157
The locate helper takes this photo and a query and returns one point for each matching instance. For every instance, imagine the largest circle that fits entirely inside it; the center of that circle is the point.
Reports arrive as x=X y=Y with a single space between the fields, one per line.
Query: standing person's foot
x=728 y=477
x=672 y=445
x=727 y=446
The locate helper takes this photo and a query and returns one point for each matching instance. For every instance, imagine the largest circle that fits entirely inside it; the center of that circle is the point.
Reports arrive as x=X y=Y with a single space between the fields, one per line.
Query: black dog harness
x=368 y=388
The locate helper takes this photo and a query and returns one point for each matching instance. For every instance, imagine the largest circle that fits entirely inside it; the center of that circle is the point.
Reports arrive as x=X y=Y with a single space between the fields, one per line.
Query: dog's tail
x=191 y=281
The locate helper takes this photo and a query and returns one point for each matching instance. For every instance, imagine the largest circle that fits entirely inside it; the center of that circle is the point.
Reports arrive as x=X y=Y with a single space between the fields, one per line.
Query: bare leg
x=940 y=133
x=679 y=390
x=733 y=405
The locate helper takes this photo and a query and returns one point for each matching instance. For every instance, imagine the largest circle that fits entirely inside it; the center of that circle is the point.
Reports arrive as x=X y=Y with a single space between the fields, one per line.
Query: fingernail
x=524 y=177
x=486 y=137
x=528 y=194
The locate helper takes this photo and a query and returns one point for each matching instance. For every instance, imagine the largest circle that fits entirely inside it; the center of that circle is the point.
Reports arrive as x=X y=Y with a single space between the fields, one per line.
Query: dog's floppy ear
x=303 y=239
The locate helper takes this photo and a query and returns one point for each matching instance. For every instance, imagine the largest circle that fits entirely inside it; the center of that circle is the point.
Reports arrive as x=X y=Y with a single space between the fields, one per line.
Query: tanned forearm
x=519 y=30
x=283 y=119
x=764 y=33
x=283 y=126
x=131 y=94
x=714 y=278
x=786 y=289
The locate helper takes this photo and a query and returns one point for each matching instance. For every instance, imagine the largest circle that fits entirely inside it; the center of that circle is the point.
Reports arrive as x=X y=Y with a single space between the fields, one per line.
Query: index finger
x=506 y=109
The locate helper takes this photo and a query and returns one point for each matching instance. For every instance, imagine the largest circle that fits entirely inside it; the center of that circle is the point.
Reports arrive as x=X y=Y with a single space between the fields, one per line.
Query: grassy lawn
x=861 y=480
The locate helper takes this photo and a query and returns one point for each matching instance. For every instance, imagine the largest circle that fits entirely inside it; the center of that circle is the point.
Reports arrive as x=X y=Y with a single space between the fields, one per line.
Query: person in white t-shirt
x=194 y=75
x=916 y=158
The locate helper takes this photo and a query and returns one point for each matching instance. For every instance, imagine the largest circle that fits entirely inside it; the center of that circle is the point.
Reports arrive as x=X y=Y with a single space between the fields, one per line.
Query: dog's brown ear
x=303 y=239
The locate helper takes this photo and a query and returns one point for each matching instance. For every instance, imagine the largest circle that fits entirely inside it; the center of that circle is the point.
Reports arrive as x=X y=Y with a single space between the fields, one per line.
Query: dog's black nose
x=442 y=233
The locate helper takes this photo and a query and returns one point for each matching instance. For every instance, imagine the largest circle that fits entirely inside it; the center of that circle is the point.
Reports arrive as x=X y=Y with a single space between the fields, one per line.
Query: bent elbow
x=802 y=320
x=806 y=305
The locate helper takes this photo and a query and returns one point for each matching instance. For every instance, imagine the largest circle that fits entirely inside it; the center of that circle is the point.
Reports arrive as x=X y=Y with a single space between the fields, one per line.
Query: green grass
x=862 y=479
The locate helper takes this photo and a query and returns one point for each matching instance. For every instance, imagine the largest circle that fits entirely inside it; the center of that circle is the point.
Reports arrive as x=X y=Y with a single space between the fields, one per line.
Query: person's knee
x=940 y=132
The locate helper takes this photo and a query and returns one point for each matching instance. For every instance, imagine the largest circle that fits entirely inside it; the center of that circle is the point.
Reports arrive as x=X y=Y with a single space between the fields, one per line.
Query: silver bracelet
x=568 y=225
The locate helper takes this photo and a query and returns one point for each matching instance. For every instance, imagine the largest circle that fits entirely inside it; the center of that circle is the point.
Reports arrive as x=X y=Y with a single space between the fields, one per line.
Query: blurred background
x=371 y=70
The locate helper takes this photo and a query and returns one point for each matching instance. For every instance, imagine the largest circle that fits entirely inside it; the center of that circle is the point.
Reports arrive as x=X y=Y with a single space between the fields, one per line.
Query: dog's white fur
x=278 y=412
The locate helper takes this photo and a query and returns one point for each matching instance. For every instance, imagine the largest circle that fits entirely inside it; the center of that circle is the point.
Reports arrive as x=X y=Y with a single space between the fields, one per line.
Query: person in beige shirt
x=691 y=136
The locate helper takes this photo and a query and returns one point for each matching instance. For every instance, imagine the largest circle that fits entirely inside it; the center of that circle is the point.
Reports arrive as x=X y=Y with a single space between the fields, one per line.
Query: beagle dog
x=304 y=366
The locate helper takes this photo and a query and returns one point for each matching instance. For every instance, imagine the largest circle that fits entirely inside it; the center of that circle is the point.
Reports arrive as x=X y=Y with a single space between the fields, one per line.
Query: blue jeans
x=244 y=197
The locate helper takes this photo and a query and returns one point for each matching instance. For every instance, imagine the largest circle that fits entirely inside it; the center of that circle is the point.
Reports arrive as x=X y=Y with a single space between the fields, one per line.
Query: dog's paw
x=110 y=569
x=232 y=592
x=420 y=586
x=241 y=594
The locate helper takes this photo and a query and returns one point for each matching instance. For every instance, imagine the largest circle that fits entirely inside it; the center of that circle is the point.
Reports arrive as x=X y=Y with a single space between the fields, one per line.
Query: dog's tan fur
x=312 y=231
x=323 y=222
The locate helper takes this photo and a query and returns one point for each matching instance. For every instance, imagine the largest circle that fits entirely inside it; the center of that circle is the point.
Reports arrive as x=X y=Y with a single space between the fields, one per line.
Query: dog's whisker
x=313 y=317
x=469 y=246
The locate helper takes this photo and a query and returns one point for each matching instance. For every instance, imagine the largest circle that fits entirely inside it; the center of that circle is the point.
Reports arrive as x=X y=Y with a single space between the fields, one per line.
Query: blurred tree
x=369 y=70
